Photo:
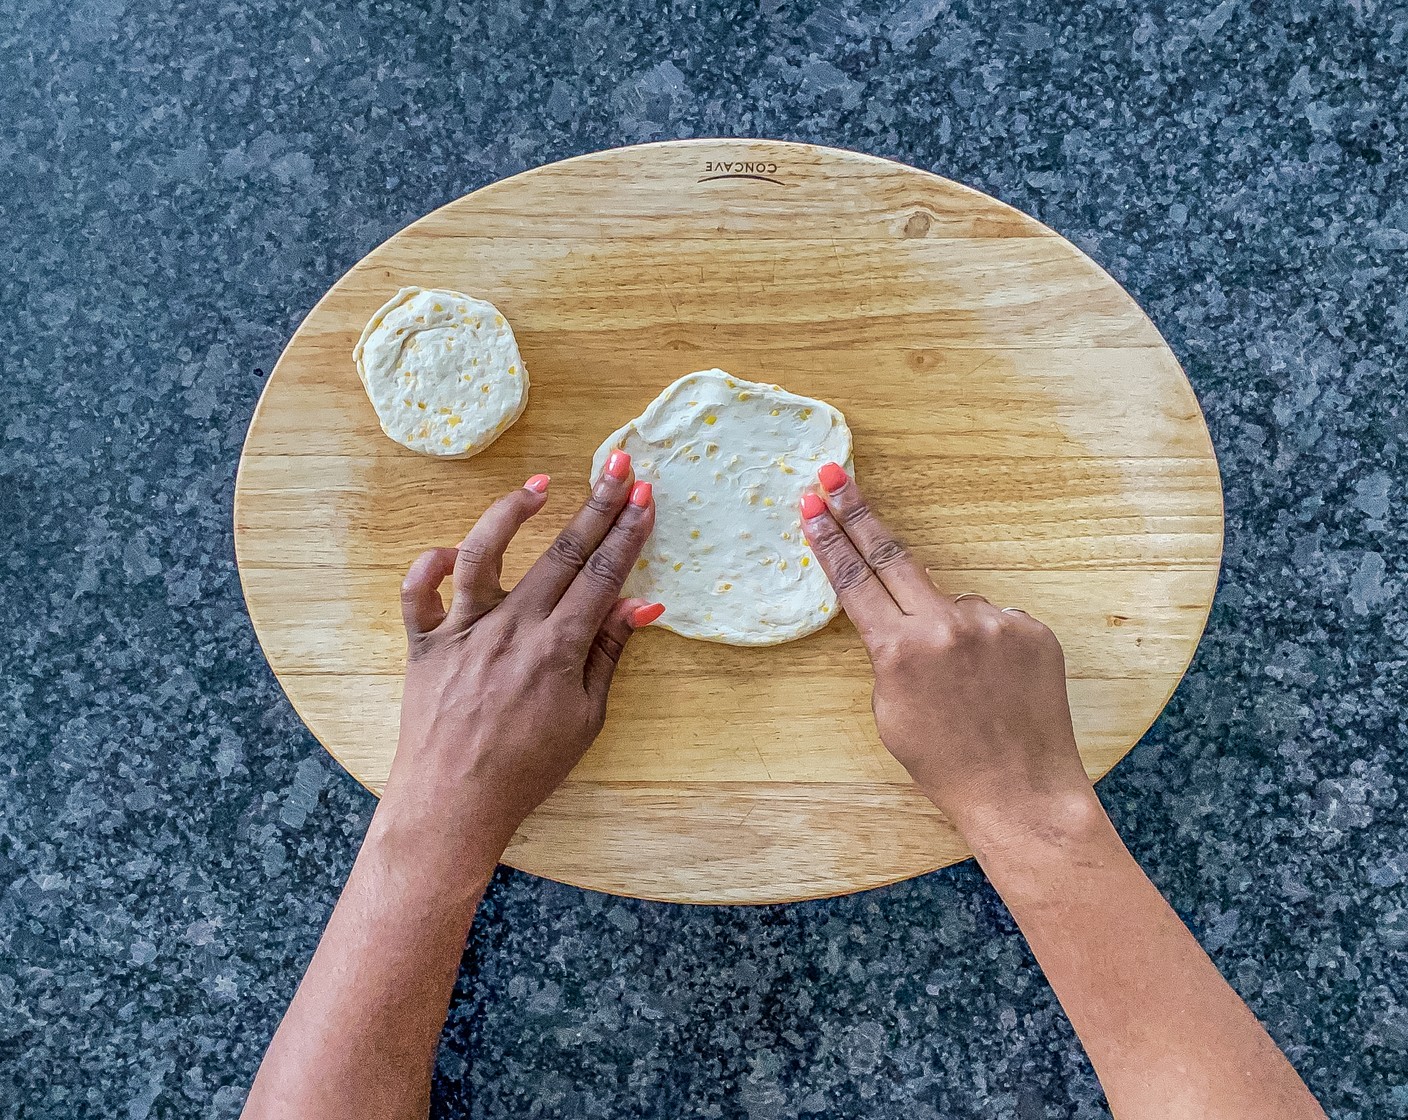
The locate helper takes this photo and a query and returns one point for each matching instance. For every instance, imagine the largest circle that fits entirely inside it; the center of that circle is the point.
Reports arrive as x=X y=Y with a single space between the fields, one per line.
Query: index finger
x=907 y=582
x=585 y=605
x=859 y=589
x=553 y=572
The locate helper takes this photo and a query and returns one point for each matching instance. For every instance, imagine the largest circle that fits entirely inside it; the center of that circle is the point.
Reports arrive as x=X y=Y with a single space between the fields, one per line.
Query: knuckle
x=851 y=573
x=473 y=553
x=1032 y=624
x=568 y=549
x=609 y=645
x=558 y=639
x=942 y=636
x=988 y=625
x=1012 y=625
x=498 y=639
x=903 y=656
x=886 y=653
x=605 y=566
x=969 y=634
x=1044 y=637
x=565 y=655
x=824 y=536
x=856 y=513
x=948 y=637
x=1021 y=624
x=887 y=553
x=601 y=503
x=419 y=647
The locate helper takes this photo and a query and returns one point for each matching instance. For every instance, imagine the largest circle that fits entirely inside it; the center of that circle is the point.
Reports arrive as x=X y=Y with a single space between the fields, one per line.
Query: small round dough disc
x=443 y=372
x=729 y=460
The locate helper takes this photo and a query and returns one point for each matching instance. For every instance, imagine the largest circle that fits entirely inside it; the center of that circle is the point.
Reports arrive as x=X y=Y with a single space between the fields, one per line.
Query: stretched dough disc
x=443 y=372
x=729 y=460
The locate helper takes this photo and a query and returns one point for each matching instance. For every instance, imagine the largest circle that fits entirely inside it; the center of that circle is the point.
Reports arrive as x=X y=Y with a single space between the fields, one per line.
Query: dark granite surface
x=179 y=182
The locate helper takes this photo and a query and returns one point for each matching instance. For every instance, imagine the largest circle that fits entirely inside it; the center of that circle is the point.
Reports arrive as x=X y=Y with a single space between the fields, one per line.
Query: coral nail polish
x=538 y=484
x=618 y=465
x=640 y=494
x=832 y=477
x=812 y=506
x=644 y=616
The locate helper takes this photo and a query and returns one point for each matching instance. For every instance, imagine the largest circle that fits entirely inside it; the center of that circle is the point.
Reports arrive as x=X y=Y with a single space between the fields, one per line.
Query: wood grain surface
x=1016 y=416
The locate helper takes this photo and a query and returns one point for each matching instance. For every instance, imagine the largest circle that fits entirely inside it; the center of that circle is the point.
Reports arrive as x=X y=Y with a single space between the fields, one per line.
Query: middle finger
x=553 y=572
x=585 y=605
x=904 y=578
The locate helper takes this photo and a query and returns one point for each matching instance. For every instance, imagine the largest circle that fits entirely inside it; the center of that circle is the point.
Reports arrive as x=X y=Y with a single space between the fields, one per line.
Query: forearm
x=360 y=1036
x=1167 y=1035
x=504 y=692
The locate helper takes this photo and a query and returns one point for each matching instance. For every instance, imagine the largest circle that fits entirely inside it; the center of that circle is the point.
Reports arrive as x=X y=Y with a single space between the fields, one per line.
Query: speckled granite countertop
x=179 y=183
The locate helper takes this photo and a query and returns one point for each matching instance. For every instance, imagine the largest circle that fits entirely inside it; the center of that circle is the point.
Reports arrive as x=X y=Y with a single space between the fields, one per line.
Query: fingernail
x=812 y=506
x=644 y=616
x=640 y=494
x=618 y=465
x=538 y=484
x=832 y=477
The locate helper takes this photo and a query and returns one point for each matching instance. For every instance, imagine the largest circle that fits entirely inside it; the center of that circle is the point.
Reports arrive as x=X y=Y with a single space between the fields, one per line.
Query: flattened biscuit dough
x=443 y=372
x=729 y=460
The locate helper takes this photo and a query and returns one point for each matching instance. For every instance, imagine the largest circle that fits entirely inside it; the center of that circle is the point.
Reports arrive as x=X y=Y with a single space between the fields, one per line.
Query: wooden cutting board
x=1016 y=416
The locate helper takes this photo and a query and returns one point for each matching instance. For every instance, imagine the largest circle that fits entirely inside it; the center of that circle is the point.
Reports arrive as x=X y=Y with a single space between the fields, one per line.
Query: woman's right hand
x=970 y=698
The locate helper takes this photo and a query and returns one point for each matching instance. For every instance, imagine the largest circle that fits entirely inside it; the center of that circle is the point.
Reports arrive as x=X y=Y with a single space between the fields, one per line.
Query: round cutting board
x=1017 y=418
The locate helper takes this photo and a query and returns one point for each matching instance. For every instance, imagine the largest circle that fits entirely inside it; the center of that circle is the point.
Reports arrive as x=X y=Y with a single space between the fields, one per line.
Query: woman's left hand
x=506 y=690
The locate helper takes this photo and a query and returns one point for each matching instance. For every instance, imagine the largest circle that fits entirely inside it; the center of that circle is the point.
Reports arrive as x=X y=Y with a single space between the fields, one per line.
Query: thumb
x=623 y=620
x=421 y=606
